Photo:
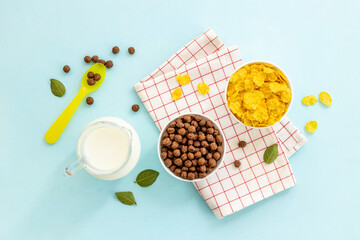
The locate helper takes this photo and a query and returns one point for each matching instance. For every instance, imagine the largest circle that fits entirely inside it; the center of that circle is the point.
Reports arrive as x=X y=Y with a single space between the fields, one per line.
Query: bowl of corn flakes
x=258 y=94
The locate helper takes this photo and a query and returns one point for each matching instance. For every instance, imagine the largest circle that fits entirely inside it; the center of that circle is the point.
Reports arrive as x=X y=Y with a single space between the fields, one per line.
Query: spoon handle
x=54 y=132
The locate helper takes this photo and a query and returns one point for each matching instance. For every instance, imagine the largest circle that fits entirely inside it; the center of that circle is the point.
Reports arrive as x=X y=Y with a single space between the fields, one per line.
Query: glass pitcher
x=108 y=148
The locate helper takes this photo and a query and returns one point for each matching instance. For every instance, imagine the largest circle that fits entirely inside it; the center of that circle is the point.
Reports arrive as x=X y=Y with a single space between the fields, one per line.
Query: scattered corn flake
x=325 y=98
x=176 y=95
x=311 y=126
x=203 y=88
x=183 y=79
x=309 y=100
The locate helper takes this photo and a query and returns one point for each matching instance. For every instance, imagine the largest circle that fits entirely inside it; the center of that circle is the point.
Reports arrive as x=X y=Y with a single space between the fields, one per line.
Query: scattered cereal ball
x=109 y=64
x=95 y=59
x=311 y=126
x=183 y=79
x=115 y=50
x=89 y=100
x=135 y=107
x=102 y=61
x=309 y=100
x=176 y=95
x=131 y=50
x=66 y=68
x=242 y=144
x=87 y=59
x=203 y=88
x=237 y=163
x=325 y=98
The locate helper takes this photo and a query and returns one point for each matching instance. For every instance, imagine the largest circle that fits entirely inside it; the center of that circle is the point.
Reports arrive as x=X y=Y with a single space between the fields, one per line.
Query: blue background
x=315 y=42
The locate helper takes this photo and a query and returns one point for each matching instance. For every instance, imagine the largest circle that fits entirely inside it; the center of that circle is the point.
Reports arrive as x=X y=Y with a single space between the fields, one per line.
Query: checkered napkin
x=207 y=59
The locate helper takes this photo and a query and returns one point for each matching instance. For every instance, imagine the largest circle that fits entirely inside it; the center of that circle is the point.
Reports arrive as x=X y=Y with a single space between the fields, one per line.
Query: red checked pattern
x=207 y=59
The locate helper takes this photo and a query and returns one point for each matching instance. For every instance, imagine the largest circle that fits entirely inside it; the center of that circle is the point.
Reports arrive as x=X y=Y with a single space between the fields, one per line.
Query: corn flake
x=309 y=100
x=176 y=95
x=258 y=94
x=325 y=98
x=311 y=126
x=183 y=79
x=203 y=88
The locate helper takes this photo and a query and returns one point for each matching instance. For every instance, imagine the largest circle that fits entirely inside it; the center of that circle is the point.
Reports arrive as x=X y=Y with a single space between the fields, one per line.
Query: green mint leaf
x=126 y=198
x=57 y=88
x=146 y=177
x=271 y=154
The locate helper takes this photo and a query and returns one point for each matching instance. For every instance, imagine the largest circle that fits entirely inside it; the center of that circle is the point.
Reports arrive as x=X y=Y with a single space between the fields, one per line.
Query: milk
x=107 y=148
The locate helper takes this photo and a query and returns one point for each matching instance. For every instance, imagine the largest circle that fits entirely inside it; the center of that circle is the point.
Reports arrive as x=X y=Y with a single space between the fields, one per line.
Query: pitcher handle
x=72 y=169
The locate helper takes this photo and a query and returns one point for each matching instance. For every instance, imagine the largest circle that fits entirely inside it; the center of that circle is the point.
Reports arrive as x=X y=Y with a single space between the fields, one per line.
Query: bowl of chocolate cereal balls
x=191 y=147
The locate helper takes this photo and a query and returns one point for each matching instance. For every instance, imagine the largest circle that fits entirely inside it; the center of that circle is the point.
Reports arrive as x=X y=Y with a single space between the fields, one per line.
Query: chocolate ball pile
x=93 y=78
x=191 y=147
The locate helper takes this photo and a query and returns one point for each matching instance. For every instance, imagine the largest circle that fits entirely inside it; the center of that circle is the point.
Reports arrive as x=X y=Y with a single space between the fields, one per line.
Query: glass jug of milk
x=108 y=148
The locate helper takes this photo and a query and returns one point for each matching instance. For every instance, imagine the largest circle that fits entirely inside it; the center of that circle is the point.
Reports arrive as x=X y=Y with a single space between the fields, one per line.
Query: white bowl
x=289 y=84
x=219 y=162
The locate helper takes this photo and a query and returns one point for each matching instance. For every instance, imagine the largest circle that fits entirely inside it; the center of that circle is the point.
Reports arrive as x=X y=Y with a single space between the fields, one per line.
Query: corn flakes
x=176 y=95
x=309 y=100
x=258 y=94
x=203 y=88
x=183 y=79
x=325 y=98
x=311 y=126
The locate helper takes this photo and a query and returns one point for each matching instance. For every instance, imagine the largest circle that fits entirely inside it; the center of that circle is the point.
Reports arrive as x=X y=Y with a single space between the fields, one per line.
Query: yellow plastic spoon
x=54 y=132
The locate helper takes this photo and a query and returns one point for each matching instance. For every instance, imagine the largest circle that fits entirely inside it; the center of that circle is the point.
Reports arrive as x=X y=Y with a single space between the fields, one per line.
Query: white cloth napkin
x=207 y=59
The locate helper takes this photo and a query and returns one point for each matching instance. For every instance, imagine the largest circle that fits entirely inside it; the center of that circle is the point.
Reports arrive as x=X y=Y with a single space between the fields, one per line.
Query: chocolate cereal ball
x=66 y=68
x=109 y=64
x=115 y=50
x=131 y=50
x=87 y=59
